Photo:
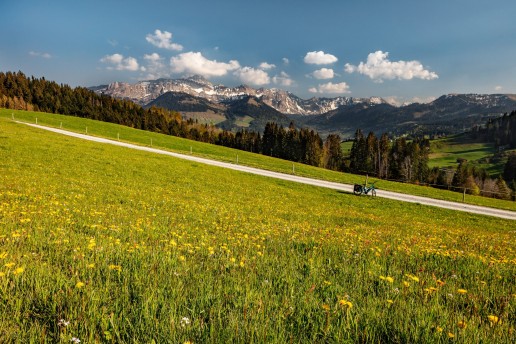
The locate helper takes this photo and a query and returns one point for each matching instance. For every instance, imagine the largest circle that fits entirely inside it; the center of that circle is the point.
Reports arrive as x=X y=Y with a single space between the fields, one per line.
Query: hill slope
x=172 y=251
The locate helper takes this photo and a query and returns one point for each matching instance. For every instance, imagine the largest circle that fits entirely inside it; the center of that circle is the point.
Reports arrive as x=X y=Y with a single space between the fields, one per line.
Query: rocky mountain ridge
x=143 y=92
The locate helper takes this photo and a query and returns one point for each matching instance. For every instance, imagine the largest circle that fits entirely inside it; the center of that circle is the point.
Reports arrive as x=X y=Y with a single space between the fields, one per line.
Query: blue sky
x=400 y=50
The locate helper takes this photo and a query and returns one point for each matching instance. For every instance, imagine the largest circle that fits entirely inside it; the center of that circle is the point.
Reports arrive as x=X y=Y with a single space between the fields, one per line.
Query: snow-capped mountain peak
x=143 y=92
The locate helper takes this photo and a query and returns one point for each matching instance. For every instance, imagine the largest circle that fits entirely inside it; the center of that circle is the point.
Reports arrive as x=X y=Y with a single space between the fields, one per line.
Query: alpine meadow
x=258 y=172
x=107 y=244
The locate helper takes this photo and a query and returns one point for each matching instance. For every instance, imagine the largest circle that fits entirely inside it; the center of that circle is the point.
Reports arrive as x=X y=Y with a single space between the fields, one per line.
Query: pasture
x=107 y=244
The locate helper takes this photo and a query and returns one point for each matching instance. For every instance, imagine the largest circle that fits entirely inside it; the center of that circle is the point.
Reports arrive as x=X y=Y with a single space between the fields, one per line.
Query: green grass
x=244 y=121
x=180 y=145
x=108 y=244
x=346 y=148
x=446 y=152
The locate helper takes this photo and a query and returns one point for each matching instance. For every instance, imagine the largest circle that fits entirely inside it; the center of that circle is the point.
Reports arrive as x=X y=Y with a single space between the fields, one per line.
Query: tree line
x=397 y=159
x=500 y=131
x=407 y=161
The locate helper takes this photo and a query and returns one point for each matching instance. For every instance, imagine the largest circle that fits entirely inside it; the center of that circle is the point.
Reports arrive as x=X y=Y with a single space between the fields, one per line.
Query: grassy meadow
x=105 y=244
x=445 y=153
x=220 y=153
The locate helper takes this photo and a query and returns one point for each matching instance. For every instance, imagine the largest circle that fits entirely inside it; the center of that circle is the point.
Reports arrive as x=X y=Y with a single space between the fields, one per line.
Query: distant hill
x=243 y=112
x=449 y=114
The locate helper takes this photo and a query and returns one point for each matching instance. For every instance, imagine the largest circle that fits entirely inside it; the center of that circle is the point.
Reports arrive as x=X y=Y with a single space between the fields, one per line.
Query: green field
x=180 y=145
x=108 y=244
x=446 y=152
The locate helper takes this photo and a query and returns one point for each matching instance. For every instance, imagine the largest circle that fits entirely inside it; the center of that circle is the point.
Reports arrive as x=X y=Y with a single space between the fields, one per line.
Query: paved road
x=505 y=214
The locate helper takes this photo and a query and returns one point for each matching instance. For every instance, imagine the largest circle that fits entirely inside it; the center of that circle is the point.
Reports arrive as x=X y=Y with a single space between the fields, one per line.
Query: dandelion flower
x=389 y=279
x=439 y=329
x=390 y=302
x=451 y=335
x=493 y=319
x=19 y=271
x=79 y=285
x=462 y=324
x=462 y=291
x=346 y=304
x=326 y=307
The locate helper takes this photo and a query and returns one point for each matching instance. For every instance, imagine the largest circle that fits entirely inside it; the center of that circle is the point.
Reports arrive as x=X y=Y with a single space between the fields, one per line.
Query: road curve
x=504 y=214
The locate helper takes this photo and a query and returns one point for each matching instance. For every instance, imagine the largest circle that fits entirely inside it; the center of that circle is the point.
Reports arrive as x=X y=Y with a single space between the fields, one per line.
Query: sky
x=403 y=51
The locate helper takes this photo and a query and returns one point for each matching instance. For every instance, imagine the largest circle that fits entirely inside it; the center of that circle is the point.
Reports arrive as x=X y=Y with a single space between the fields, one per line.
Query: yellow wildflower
x=462 y=324
x=450 y=335
x=79 y=285
x=115 y=267
x=493 y=319
x=346 y=304
x=462 y=291
x=326 y=307
x=18 y=270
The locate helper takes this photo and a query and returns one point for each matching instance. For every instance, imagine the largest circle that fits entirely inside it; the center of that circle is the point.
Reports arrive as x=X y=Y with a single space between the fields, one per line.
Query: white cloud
x=39 y=54
x=330 y=87
x=283 y=79
x=118 y=62
x=252 y=76
x=498 y=88
x=379 y=67
x=163 y=40
x=267 y=66
x=319 y=58
x=285 y=61
x=155 y=68
x=323 y=73
x=195 y=63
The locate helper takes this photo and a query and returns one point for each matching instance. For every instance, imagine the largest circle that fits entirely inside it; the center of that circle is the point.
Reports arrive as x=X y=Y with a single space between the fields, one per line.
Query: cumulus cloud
x=163 y=40
x=283 y=79
x=267 y=66
x=155 y=67
x=195 y=63
x=323 y=73
x=285 y=61
x=378 y=67
x=498 y=88
x=119 y=62
x=40 y=54
x=330 y=87
x=252 y=76
x=319 y=58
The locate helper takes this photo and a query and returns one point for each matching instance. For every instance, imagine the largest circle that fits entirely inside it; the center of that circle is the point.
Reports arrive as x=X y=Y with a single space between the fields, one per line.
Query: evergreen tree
x=509 y=171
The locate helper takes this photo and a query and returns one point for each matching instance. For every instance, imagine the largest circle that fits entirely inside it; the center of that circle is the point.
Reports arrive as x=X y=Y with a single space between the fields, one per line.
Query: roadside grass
x=107 y=244
x=175 y=144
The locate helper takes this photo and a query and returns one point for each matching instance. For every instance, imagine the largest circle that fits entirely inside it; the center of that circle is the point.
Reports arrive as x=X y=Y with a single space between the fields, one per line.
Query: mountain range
x=244 y=106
